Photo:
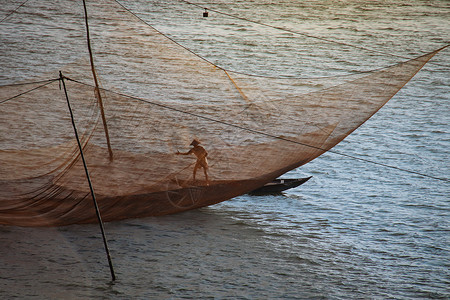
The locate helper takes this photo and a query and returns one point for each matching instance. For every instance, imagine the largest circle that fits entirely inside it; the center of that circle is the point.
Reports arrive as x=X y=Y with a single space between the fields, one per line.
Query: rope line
x=47 y=82
x=300 y=33
x=354 y=72
x=264 y=133
x=13 y=11
x=28 y=83
x=171 y=39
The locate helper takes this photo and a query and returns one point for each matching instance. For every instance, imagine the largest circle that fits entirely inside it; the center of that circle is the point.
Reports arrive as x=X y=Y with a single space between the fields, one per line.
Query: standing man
x=201 y=154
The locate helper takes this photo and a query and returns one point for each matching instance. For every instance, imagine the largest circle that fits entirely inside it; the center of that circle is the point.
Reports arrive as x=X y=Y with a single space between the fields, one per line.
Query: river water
x=356 y=230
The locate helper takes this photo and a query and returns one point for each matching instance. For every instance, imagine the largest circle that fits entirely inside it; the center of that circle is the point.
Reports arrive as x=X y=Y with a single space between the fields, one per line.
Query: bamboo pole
x=97 y=89
x=97 y=211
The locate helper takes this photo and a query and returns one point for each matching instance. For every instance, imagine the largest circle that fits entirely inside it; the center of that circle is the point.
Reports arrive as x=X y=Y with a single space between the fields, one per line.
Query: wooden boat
x=278 y=185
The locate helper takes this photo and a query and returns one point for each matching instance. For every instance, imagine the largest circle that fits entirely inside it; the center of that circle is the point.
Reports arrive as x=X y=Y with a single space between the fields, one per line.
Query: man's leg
x=195 y=170
x=206 y=175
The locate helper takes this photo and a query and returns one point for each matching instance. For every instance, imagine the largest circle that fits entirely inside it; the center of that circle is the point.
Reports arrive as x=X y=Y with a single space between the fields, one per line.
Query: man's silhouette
x=201 y=154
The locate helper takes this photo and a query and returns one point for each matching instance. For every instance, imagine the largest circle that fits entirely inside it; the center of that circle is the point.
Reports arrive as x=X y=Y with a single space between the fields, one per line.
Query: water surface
x=354 y=231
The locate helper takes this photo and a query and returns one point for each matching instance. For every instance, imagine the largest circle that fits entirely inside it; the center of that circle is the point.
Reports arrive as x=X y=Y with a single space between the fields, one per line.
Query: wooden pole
x=97 y=89
x=111 y=268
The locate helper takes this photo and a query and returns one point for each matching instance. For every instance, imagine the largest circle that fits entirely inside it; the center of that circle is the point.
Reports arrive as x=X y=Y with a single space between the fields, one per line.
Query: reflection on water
x=289 y=246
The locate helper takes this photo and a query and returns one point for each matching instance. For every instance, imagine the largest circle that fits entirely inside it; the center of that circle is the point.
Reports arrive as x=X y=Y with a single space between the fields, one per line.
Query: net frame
x=157 y=99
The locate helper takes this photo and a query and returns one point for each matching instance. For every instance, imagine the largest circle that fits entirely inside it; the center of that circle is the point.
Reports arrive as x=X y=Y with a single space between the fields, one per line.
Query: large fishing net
x=157 y=97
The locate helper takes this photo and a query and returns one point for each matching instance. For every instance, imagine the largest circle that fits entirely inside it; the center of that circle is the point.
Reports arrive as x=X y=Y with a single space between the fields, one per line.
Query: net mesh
x=158 y=97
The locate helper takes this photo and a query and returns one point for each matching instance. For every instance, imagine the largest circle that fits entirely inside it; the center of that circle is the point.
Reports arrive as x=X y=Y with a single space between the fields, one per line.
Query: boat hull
x=278 y=185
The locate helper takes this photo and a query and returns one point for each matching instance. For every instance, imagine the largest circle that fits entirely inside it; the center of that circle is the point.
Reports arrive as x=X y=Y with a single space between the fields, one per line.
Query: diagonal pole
x=97 y=89
x=113 y=276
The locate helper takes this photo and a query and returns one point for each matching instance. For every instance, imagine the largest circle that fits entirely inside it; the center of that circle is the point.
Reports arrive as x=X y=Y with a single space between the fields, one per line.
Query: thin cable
x=238 y=72
x=143 y=21
x=264 y=133
x=13 y=11
x=33 y=89
x=300 y=33
x=28 y=83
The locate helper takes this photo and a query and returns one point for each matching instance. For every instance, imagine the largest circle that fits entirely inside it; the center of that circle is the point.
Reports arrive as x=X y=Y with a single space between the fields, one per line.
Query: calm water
x=354 y=231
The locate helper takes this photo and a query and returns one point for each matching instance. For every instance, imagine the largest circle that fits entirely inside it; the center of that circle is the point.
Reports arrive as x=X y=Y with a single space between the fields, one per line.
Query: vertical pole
x=113 y=276
x=97 y=89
